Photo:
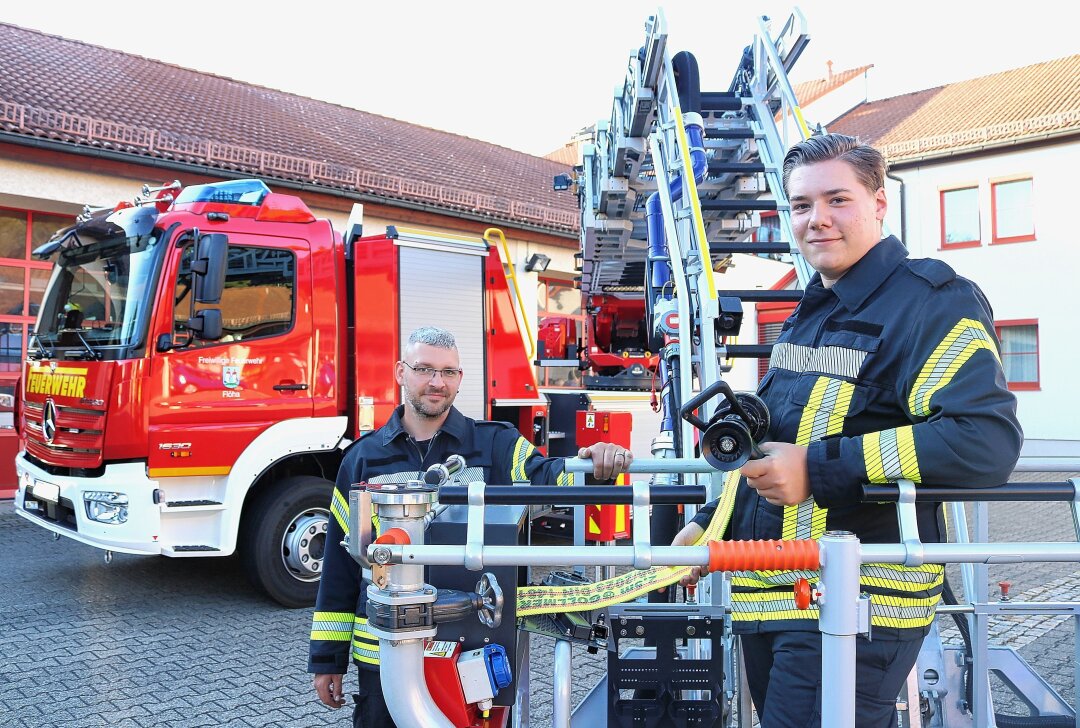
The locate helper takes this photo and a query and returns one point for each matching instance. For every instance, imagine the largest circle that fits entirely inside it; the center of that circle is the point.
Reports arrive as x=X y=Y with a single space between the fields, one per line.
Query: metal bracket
x=909 y=525
x=642 y=537
x=359 y=537
x=862 y=612
x=474 y=534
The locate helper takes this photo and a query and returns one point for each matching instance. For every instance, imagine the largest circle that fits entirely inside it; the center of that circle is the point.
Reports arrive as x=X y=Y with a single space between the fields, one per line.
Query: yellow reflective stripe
x=332 y=626
x=826 y=408
x=902 y=612
x=564 y=478
x=365 y=646
x=366 y=656
x=885 y=611
x=365 y=640
x=770 y=579
x=360 y=628
x=890 y=455
x=768 y=607
x=544 y=600
x=522 y=451
x=340 y=508
x=902 y=578
x=895 y=577
x=966 y=338
x=875 y=470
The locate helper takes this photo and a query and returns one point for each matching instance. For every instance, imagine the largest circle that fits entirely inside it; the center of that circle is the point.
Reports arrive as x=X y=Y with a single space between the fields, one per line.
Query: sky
x=528 y=75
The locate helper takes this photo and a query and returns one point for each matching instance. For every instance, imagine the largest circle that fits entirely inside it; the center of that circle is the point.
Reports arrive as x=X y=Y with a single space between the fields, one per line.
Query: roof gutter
x=209 y=171
x=948 y=154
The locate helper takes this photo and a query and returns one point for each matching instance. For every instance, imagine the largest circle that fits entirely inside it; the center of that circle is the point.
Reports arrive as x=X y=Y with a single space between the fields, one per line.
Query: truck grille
x=78 y=440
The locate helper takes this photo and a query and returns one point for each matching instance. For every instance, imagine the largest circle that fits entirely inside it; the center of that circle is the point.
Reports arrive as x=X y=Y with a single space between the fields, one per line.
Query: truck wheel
x=283 y=537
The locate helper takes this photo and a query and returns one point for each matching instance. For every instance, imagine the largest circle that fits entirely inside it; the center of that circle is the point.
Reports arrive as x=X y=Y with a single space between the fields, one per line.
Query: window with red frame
x=22 y=284
x=770 y=319
x=960 y=218
x=1013 y=219
x=1019 y=352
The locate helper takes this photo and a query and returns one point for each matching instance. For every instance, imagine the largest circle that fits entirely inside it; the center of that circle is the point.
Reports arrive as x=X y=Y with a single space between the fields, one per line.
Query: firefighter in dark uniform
x=423 y=431
x=888 y=369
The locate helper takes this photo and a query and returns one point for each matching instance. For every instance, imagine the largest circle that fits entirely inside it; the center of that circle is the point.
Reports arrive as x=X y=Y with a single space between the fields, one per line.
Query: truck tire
x=283 y=536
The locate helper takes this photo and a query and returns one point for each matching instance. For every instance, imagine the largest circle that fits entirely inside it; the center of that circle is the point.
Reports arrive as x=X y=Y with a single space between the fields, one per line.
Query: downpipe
x=404 y=686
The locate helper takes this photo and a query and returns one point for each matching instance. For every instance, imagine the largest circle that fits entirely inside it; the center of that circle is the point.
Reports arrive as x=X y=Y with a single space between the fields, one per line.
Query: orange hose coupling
x=763 y=555
x=396 y=537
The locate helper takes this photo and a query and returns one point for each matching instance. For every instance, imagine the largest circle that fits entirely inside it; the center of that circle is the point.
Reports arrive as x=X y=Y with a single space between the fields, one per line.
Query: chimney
x=828 y=64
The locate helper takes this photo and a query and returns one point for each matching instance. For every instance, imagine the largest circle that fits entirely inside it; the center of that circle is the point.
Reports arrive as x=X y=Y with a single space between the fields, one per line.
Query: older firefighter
x=423 y=431
x=887 y=369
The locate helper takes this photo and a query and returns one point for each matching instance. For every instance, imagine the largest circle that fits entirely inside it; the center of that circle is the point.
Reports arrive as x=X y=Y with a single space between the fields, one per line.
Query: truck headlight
x=105 y=507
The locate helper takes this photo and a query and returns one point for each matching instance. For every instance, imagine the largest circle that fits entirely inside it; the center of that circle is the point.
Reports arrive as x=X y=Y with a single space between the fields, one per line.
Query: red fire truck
x=615 y=352
x=203 y=356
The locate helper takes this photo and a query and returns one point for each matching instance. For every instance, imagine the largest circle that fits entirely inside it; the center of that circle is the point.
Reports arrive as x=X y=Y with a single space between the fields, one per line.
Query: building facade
x=85 y=125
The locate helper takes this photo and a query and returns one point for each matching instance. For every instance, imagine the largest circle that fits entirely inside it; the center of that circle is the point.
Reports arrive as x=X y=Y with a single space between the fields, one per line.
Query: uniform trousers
x=783 y=670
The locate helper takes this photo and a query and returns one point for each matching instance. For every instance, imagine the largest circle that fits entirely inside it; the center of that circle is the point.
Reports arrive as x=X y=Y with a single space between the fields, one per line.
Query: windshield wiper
x=35 y=340
x=79 y=333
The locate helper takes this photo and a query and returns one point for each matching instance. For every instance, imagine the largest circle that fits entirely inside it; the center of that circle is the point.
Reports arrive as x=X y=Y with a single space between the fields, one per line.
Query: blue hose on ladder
x=658 y=267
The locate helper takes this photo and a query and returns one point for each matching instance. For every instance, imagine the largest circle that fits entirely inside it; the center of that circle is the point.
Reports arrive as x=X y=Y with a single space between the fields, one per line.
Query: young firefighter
x=887 y=369
x=423 y=431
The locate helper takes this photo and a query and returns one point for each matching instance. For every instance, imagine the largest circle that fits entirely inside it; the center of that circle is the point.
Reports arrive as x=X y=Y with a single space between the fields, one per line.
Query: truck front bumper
x=59 y=503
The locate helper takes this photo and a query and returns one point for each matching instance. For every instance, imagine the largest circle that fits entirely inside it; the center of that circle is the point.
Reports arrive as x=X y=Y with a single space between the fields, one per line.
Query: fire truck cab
x=203 y=356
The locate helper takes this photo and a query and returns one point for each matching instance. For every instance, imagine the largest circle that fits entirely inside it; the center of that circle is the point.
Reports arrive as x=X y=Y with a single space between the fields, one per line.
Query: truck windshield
x=98 y=298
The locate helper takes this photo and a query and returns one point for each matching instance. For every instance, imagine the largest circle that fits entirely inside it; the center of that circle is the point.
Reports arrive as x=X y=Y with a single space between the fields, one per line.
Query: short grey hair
x=868 y=163
x=432 y=336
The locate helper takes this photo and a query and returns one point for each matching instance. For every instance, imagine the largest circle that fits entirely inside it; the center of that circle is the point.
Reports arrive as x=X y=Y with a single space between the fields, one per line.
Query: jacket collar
x=455 y=425
x=867 y=275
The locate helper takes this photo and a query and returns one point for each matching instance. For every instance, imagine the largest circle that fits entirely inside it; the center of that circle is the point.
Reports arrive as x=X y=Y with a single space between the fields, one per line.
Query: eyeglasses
x=448 y=375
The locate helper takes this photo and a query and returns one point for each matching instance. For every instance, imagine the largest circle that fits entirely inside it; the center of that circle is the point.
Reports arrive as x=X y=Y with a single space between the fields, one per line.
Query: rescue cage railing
x=844 y=610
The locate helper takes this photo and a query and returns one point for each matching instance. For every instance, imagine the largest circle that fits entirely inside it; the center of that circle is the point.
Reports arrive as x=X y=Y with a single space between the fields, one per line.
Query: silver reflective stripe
x=837 y=361
x=466 y=476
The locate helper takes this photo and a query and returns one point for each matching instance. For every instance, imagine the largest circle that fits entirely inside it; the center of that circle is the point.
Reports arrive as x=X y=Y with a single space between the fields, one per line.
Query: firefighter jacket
x=892 y=373
x=494 y=453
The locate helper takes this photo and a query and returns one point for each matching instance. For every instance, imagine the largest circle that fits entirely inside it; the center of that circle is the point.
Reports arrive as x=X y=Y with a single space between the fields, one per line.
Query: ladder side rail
x=682 y=293
x=774 y=175
x=655 y=49
x=690 y=227
x=679 y=246
x=773 y=64
x=589 y=196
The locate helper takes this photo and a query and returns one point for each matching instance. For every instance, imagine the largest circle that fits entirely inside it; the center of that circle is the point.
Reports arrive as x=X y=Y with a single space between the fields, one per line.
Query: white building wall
x=1024 y=280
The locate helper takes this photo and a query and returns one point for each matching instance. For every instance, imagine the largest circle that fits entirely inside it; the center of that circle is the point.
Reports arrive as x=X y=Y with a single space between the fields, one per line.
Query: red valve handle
x=802 y=594
x=395 y=536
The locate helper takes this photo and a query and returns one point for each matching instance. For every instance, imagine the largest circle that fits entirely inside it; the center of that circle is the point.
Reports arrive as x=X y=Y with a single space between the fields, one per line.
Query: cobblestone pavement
x=175 y=643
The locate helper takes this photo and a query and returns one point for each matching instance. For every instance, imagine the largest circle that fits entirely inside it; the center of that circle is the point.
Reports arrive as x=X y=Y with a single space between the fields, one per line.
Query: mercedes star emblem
x=48 y=421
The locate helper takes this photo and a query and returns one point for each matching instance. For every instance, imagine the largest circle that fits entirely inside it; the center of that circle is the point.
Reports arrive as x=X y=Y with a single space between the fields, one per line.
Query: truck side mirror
x=209 y=266
x=206 y=324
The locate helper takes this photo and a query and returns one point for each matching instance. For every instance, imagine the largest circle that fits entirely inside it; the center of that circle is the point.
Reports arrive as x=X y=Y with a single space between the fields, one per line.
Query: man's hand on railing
x=609 y=459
